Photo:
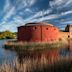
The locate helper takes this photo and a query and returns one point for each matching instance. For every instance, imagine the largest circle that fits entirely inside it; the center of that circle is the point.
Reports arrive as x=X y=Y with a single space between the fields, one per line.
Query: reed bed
x=39 y=65
x=45 y=63
x=34 y=46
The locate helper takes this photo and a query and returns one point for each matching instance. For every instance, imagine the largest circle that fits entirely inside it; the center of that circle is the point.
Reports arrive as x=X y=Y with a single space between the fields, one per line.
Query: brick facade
x=38 y=32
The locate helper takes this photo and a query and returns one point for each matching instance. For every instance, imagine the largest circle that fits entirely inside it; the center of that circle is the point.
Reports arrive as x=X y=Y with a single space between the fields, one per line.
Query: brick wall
x=38 y=33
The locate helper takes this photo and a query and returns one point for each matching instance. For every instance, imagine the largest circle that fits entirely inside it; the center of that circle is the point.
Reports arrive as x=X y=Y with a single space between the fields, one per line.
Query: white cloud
x=57 y=3
x=39 y=14
x=10 y=9
x=68 y=3
x=44 y=18
x=20 y=21
x=9 y=14
x=11 y=26
x=7 y=6
x=24 y=3
x=28 y=10
x=67 y=22
x=67 y=12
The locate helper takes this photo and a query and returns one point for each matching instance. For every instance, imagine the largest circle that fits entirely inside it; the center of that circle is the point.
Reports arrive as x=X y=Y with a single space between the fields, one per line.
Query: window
x=68 y=36
x=35 y=27
x=46 y=28
x=60 y=39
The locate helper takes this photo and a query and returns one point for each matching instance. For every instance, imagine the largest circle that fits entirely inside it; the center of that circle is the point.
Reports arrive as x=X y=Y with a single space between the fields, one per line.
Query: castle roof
x=38 y=23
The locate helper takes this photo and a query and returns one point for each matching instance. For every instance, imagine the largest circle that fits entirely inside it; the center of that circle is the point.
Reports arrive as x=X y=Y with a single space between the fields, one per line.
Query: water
x=6 y=55
x=9 y=56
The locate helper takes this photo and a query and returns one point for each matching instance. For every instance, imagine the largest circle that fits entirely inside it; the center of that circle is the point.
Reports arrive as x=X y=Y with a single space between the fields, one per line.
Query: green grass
x=33 y=46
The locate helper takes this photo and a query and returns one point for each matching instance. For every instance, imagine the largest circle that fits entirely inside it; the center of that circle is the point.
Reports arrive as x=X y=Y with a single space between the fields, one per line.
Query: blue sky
x=14 y=13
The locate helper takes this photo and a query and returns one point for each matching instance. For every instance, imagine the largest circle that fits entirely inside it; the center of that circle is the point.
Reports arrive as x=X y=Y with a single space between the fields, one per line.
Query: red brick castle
x=42 y=32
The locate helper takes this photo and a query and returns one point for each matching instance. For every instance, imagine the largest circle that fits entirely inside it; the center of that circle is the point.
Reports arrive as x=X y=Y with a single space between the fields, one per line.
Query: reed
x=34 y=46
x=38 y=65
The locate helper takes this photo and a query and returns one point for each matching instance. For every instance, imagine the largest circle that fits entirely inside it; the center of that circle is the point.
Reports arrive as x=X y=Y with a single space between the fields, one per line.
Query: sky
x=15 y=13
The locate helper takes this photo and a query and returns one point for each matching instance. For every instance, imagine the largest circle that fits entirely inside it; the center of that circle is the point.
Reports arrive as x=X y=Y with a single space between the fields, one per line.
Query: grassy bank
x=35 y=50
x=34 y=46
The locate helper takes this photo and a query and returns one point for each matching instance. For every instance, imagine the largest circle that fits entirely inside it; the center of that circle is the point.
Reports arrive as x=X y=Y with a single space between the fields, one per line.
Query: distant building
x=42 y=32
x=69 y=29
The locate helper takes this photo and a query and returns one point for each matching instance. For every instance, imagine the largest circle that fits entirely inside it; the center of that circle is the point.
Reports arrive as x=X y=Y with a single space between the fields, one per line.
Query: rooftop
x=38 y=23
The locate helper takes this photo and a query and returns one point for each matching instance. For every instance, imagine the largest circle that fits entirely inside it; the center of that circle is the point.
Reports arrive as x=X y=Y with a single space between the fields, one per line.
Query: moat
x=6 y=55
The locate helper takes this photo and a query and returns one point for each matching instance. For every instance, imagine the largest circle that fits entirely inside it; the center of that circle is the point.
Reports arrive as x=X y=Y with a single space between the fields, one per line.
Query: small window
x=46 y=28
x=60 y=39
x=35 y=27
x=68 y=36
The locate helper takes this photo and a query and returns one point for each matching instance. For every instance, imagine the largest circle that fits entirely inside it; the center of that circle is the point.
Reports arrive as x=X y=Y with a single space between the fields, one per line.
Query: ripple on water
x=6 y=55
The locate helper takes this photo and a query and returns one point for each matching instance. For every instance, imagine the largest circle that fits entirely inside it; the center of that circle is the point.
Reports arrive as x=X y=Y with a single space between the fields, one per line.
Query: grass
x=38 y=65
x=43 y=62
x=34 y=46
x=36 y=58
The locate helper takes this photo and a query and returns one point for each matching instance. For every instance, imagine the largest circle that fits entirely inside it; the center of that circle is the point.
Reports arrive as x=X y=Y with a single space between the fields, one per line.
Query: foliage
x=7 y=35
x=33 y=46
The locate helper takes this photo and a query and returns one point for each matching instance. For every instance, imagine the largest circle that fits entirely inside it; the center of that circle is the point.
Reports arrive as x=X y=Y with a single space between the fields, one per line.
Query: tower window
x=35 y=27
x=68 y=36
x=46 y=28
x=60 y=39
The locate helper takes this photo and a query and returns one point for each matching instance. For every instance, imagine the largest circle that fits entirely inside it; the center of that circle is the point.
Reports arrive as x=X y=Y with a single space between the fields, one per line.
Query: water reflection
x=6 y=55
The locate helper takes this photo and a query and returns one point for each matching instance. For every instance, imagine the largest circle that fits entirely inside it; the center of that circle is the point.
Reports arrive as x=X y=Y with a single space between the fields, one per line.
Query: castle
x=43 y=32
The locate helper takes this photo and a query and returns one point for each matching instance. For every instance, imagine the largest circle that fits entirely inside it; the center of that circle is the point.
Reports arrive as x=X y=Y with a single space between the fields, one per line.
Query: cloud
x=67 y=22
x=68 y=3
x=9 y=14
x=28 y=10
x=11 y=26
x=10 y=9
x=21 y=4
x=22 y=7
x=7 y=6
x=58 y=3
x=20 y=21
x=49 y=17
x=39 y=14
x=8 y=27
x=67 y=12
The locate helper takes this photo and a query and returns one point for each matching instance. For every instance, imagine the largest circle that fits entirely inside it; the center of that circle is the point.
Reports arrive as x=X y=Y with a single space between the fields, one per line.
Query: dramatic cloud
x=9 y=14
x=65 y=13
x=20 y=12
x=7 y=6
x=21 y=4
